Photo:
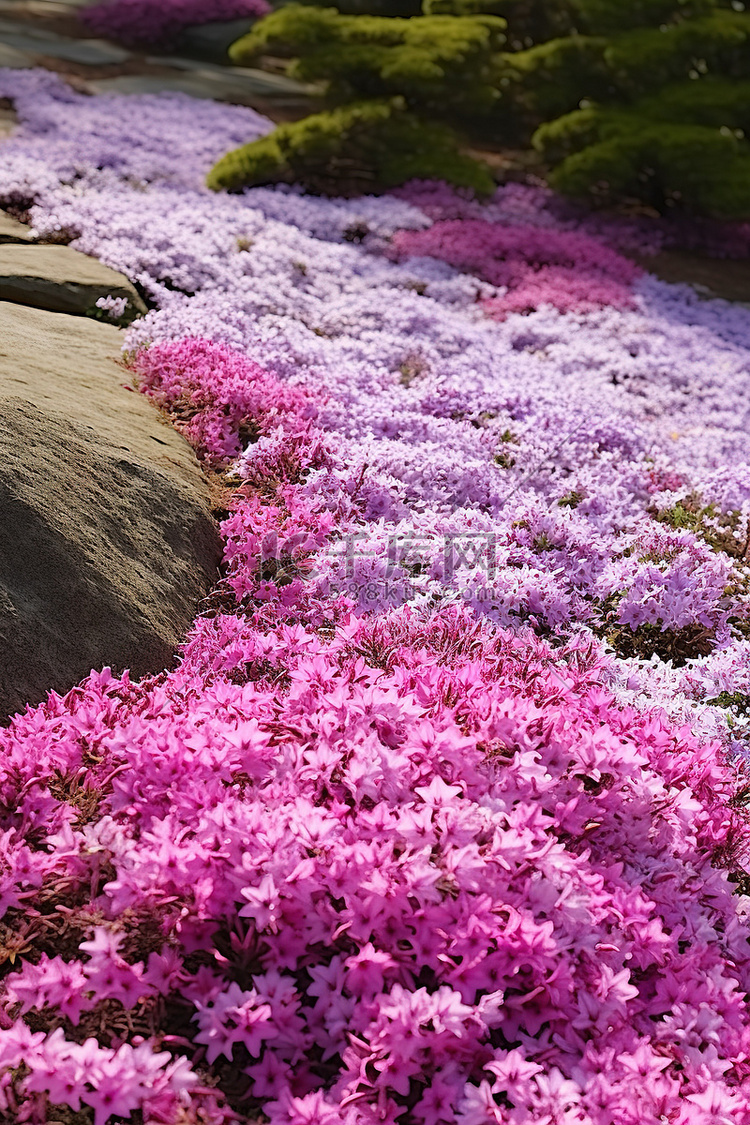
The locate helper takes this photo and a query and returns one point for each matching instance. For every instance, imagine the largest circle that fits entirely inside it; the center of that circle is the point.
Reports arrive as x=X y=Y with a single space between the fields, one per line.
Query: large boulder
x=107 y=544
x=59 y=279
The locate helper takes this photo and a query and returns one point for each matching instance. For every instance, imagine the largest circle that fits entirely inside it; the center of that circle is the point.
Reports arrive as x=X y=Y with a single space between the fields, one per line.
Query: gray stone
x=106 y=539
x=213 y=40
x=13 y=59
x=90 y=52
x=13 y=231
x=203 y=80
x=59 y=279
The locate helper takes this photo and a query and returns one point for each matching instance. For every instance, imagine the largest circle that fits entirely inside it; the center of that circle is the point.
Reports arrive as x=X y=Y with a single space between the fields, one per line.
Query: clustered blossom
x=533 y=265
x=520 y=204
x=440 y=819
x=114 y=306
x=223 y=402
x=146 y=23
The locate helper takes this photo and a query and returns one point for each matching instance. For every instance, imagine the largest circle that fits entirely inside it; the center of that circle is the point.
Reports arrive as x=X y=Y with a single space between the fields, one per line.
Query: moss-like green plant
x=552 y=78
x=645 y=59
x=388 y=8
x=529 y=21
x=642 y=100
x=736 y=701
x=354 y=149
x=537 y=21
x=684 y=147
x=608 y=16
x=362 y=57
x=389 y=81
x=656 y=113
x=723 y=531
x=715 y=103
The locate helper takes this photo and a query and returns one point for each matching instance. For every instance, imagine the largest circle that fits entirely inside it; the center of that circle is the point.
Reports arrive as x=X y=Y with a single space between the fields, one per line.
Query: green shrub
x=634 y=99
x=553 y=78
x=529 y=21
x=537 y=21
x=693 y=166
x=715 y=103
x=387 y=8
x=389 y=79
x=603 y=17
x=644 y=59
x=348 y=151
x=613 y=48
x=684 y=146
x=656 y=113
x=364 y=57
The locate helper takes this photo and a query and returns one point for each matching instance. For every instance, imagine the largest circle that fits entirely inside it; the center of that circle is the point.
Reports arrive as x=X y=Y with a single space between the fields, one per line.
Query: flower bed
x=440 y=818
x=158 y=22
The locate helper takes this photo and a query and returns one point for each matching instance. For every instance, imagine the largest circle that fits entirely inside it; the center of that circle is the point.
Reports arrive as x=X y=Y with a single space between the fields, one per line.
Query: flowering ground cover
x=440 y=816
x=144 y=23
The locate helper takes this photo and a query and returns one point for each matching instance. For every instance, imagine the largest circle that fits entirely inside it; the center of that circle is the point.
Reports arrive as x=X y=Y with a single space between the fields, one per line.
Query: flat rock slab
x=106 y=539
x=33 y=40
x=13 y=231
x=59 y=279
x=14 y=59
x=40 y=7
x=204 y=80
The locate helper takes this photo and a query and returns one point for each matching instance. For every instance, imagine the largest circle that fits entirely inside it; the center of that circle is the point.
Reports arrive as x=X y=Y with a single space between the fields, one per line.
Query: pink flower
x=233 y=1016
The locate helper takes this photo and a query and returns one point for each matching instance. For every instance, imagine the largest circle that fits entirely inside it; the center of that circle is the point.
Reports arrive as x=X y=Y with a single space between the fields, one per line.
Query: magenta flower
x=140 y=22
x=438 y=818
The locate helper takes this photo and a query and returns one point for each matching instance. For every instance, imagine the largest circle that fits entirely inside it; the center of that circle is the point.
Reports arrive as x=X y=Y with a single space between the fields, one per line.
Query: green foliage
x=647 y=58
x=736 y=701
x=723 y=531
x=529 y=21
x=656 y=113
x=603 y=17
x=552 y=78
x=537 y=21
x=684 y=146
x=388 y=8
x=360 y=148
x=714 y=103
x=663 y=165
x=389 y=78
x=372 y=57
x=634 y=99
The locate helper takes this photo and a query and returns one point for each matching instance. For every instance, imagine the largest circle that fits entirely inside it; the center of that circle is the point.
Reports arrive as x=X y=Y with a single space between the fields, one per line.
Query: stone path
x=46 y=32
x=33 y=41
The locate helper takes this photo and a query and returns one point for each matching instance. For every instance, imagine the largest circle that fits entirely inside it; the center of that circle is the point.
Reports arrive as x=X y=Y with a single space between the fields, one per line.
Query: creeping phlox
x=440 y=818
x=144 y=23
